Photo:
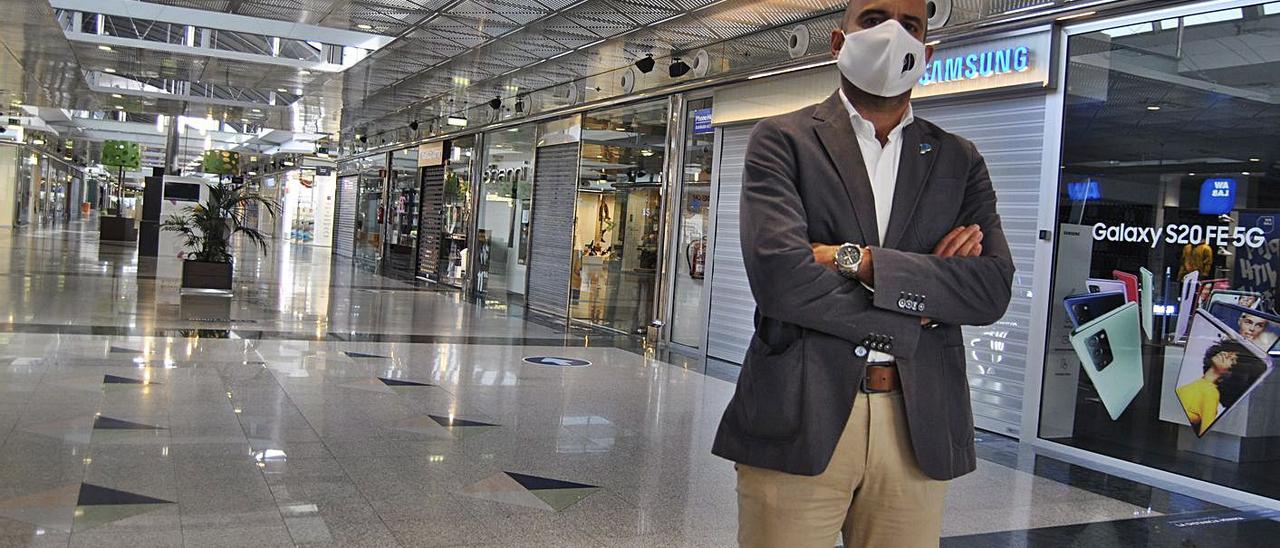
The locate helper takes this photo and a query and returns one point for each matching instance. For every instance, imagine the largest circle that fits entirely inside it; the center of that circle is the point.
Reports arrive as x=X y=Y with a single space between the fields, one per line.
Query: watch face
x=847 y=255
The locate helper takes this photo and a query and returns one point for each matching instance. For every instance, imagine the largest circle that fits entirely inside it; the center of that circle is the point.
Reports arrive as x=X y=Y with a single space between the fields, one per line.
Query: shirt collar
x=865 y=129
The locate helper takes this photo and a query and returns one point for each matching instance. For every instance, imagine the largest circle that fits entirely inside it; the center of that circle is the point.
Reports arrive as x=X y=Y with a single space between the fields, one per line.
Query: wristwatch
x=848 y=260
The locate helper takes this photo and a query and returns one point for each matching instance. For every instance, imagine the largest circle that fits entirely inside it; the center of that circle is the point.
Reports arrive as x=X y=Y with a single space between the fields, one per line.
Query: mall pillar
x=149 y=229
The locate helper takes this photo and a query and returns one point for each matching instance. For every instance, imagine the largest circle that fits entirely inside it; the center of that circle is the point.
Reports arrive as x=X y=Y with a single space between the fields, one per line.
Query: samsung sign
x=982 y=64
x=1021 y=59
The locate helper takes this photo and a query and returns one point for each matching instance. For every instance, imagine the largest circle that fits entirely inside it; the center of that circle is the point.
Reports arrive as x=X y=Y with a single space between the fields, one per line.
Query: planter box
x=205 y=275
x=117 y=229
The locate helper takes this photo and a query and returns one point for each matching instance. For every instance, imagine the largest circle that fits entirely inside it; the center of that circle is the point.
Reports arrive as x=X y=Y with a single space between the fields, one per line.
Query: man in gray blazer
x=869 y=237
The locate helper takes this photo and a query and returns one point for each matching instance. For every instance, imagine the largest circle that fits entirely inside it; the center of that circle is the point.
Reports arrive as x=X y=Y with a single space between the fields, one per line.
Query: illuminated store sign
x=1084 y=190
x=981 y=64
x=1217 y=196
x=1020 y=59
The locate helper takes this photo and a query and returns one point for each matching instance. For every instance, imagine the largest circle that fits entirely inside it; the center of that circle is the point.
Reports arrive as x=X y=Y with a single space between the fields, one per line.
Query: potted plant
x=208 y=228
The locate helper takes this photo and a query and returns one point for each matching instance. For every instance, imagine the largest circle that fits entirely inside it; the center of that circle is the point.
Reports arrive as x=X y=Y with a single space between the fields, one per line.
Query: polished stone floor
x=324 y=406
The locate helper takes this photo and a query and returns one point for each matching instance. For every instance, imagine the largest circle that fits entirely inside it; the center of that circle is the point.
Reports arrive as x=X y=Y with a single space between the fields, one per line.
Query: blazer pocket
x=960 y=421
x=771 y=391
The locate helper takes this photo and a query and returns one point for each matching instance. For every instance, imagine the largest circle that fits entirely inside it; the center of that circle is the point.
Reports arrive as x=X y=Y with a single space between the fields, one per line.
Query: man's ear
x=928 y=54
x=837 y=42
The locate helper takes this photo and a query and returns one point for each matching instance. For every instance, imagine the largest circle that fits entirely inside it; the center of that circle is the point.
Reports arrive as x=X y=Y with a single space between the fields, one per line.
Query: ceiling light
x=119 y=107
x=456 y=121
x=1153 y=108
x=37 y=141
x=1192 y=174
x=1077 y=16
x=678 y=68
x=282 y=90
x=1245 y=173
x=363 y=26
x=109 y=70
x=304 y=72
x=645 y=64
x=104 y=48
x=257 y=111
x=1255 y=159
x=117 y=96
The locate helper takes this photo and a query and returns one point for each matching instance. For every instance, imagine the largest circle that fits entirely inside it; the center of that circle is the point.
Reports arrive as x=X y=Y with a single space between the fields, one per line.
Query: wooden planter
x=206 y=275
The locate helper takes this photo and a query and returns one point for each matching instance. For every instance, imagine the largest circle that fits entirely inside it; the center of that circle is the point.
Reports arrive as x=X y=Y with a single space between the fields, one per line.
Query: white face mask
x=884 y=60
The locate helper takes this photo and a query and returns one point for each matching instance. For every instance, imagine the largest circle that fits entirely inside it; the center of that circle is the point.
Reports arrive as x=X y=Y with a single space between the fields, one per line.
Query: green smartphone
x=1110 y=350
x=1147 y=289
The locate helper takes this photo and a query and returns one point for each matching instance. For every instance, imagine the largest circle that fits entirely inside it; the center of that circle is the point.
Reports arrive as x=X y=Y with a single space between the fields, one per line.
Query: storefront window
x=694 y=222
x=370 y=210
x=1163 y=327
x=618 y=213
x=402 y=224
x=502 y=229
x=456 y=212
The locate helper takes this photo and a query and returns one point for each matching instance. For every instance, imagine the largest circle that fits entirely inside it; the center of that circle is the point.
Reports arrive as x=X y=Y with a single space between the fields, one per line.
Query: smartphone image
x=1146 y=300
x=1130 y=284
x=1207 y=287
x=1247 y=299
x=1110 y=351
x=1084 y=308
x=1099 y=285
x=1260 y=328
x=1186 y=303
x=1218 y=371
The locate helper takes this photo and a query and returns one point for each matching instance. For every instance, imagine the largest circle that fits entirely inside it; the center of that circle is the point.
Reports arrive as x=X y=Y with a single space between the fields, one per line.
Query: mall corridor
x=335 y=409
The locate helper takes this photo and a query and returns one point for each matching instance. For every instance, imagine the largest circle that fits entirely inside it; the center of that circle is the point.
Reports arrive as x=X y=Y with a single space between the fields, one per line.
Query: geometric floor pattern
x=530 y=491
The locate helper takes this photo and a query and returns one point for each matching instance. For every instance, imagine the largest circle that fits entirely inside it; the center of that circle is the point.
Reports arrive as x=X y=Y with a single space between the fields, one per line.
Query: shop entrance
x=503 y=217
x=618 y=213
x=400 y=250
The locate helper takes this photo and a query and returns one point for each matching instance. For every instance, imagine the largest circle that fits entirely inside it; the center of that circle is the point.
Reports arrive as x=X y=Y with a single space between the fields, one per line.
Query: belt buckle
x=863 y=385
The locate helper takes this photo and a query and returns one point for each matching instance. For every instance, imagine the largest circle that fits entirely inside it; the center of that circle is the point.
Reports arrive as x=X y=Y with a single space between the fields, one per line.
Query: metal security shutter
x=344 y=234
x=1010 y=135
x=732 y=306
x=431 y=222
x=555 y=183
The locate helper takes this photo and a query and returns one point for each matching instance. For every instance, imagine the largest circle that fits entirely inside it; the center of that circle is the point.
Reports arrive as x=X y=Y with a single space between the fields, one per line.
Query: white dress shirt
x=882 y=170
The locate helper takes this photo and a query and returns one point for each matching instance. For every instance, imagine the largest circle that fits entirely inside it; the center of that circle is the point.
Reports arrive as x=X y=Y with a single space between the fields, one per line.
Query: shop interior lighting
x=1255 y=159
x=1153 y=108
x=1246 y=173
x=363 y=26
x=109 y=70
x=282 y=90
x=1272 y=8
x=104 y=48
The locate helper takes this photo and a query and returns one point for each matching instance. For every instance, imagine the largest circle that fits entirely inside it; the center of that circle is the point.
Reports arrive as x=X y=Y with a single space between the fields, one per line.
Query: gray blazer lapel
x=836 y=133
x=918 y=152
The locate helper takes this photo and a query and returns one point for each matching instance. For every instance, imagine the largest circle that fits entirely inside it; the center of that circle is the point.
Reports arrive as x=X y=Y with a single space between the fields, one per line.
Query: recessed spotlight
x=1255 y=159
x=1153 y=108
x=1192 y=174
x=363 y=26
x=109 y=70
x=1245 y=173
x=104 y=48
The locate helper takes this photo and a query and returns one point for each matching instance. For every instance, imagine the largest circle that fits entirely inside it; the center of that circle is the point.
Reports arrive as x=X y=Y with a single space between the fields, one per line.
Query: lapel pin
x=926 y=148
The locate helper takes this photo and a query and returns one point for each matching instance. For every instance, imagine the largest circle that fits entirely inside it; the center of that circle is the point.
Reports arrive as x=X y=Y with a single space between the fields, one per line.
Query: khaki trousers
x=873 y=492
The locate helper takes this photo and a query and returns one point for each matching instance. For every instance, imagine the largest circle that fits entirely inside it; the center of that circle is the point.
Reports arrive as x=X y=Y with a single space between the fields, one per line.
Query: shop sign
x=322 y=171
x=702 y=121
x=1018 y=60
x=431 y=154
x=1217 y=196
x=1084 y=190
